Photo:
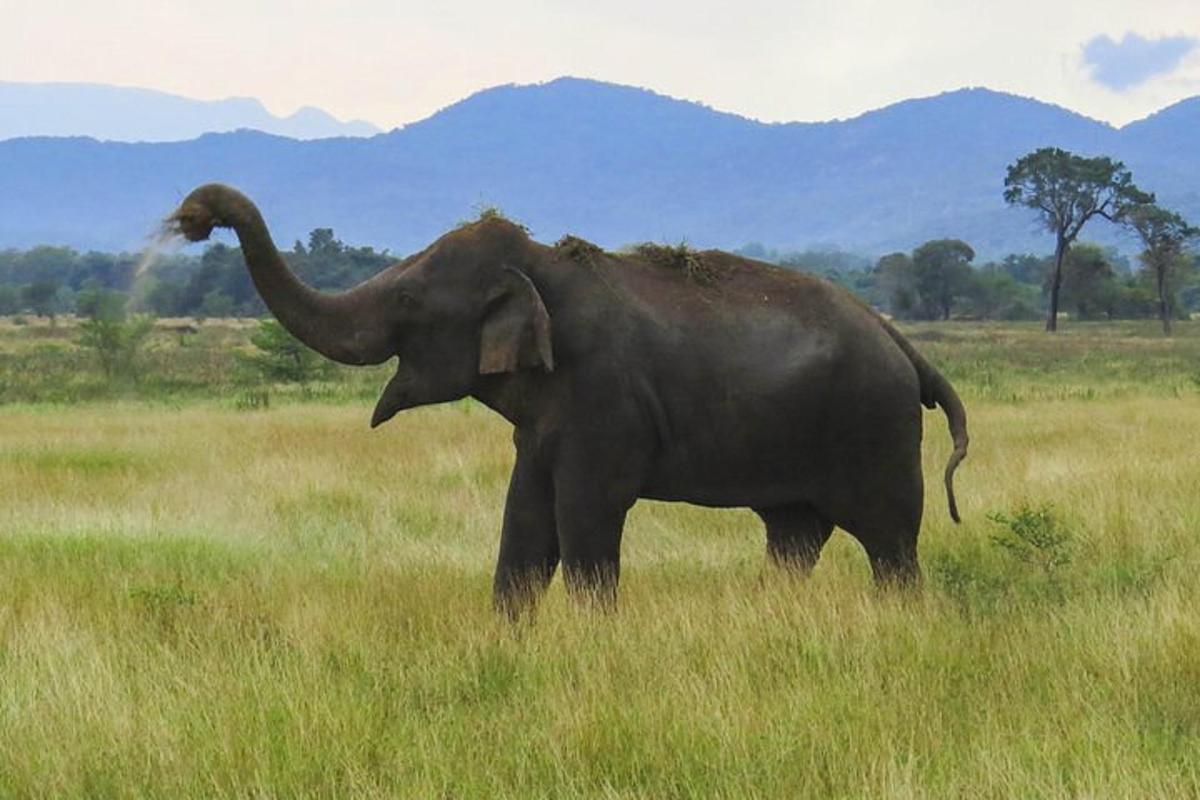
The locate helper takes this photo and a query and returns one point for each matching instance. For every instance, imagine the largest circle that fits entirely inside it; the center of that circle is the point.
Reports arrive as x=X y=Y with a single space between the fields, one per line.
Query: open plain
x=216 y=587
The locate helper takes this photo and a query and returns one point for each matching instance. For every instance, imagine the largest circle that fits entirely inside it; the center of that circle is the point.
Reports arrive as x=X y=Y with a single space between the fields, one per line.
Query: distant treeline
x=937 y=280
x=58 y=280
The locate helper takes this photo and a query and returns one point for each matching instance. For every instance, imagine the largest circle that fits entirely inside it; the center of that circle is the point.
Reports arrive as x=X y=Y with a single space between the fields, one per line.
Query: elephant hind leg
x=878 y=499
x=887 y=527
x=894 y=562
x=795 y=535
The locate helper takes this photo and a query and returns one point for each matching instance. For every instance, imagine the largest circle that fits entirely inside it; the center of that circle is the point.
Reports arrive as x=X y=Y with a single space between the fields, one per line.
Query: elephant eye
x=406 y=300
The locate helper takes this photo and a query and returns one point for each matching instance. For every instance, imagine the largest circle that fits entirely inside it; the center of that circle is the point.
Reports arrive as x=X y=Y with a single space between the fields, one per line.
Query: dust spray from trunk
x=164 y=241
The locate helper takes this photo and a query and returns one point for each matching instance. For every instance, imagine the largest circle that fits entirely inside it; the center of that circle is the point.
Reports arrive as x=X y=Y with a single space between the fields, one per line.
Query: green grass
x=45 y=365
x=197 y=601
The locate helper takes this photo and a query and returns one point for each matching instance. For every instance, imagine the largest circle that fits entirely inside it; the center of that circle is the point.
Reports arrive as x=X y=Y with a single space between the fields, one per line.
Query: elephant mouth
x=394 y=398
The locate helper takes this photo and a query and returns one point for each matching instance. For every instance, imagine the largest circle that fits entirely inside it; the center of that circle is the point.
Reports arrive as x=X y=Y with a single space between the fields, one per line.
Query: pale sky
x=396 y=62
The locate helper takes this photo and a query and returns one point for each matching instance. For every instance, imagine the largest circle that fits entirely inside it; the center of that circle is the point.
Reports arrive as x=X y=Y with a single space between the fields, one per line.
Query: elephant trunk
x=345 y=327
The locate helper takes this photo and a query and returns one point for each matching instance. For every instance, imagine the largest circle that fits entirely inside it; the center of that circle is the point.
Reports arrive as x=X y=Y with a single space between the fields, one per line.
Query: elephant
x=662 y=373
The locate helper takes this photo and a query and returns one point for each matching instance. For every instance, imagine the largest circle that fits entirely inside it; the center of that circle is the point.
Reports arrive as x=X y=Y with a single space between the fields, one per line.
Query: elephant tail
x=937 y=391
x=945 y=396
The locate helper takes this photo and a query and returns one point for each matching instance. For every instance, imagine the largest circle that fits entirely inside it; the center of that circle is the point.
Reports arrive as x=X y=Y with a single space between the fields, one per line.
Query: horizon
x=578 y=78
x=770 y=61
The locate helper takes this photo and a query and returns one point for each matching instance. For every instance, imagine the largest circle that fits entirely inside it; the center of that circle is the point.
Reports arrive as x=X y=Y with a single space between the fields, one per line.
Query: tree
x=221 y=286
x=95 y=302
x=1188 y=281
x=894 y=274
x=328 y=263
x=279 y=356
x=1089 y=283
x=45 y=263
x=825 y=261
x=42 y=296
x=109 y=271
x=322 y=242
x=1067 y=191
x=1025 y=268
x=995 y=294
x=942 y=269
x=10 y=300
x=215 y=304
x=164 y=298
x=1164 y=234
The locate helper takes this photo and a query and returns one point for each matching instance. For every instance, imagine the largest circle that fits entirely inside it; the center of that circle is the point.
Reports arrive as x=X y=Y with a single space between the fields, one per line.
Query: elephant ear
x=516 y=328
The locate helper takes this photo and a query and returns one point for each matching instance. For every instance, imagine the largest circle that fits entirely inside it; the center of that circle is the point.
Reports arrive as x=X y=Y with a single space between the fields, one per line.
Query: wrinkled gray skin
x=625 y=378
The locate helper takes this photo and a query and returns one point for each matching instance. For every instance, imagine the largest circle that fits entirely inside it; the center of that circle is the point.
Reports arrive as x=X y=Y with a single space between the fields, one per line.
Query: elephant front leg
x=592 y=497
x=529 y=550
x=591 y=548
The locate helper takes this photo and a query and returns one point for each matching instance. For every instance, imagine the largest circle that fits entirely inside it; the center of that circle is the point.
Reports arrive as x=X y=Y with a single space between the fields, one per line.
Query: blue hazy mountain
x=123 y=114
x=611 y=163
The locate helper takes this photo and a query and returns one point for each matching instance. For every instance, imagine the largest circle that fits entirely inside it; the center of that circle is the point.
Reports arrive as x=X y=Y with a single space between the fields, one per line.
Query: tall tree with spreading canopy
x=943 y=274
x=1067 y=190
x=1164 y=235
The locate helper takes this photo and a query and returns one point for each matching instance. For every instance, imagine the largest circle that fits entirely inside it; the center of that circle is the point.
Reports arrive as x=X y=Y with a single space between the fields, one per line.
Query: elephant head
x=461 y=309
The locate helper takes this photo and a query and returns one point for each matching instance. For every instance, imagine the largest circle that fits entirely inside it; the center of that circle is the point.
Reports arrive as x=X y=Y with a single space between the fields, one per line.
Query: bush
x=95 y=303
x=281 y=357
x=116 y=342
x=1036 y=537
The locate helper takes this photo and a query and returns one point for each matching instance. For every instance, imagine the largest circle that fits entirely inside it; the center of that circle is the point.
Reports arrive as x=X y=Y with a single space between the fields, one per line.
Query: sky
x=772 y=60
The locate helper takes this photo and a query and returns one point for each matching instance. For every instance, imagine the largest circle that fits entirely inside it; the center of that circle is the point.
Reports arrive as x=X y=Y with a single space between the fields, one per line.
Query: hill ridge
x=613 y=164
x=132 y=113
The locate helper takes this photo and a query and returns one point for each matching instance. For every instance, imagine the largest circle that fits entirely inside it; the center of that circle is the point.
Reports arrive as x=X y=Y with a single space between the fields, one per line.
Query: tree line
x=47 y=281
x=1066 y=191
x=937 y=280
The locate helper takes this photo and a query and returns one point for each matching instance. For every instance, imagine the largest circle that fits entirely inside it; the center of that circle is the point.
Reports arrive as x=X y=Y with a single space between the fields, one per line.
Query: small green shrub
x=280 y=357
x=1036 y=537
x=116 y=341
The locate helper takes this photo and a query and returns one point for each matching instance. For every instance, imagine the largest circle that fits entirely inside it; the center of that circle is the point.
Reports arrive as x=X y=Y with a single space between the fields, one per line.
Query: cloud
x=1134 y=60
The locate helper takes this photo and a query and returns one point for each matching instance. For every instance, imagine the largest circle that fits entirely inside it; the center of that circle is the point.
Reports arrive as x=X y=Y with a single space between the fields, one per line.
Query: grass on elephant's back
x=202 y=602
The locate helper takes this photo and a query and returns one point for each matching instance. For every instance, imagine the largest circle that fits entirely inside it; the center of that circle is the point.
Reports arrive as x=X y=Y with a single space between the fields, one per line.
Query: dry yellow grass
x=202 y=602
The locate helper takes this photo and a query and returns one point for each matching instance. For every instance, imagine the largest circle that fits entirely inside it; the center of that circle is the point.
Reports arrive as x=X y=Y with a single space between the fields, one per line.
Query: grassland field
x=203 y=594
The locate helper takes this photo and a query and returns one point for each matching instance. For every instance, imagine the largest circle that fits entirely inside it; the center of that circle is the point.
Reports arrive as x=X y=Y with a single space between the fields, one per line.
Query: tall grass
x=197 y=601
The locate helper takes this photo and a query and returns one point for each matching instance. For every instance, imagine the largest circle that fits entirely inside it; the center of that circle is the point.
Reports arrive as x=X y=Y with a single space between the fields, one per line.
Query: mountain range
x=125 y=114
x=614 y=164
